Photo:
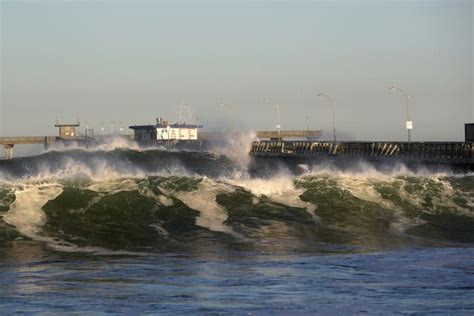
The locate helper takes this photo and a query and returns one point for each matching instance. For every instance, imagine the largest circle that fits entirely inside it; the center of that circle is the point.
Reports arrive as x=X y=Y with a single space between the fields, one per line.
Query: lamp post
x=333 y=113
x=278 y=125
x=409 y=123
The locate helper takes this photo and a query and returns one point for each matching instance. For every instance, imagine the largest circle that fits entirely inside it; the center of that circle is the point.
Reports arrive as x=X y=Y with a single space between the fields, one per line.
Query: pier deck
x=10 y=142
x=436 y=152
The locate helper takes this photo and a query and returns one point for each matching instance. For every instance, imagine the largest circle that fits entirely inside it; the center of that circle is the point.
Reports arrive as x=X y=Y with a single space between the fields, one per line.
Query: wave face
x=147 y=201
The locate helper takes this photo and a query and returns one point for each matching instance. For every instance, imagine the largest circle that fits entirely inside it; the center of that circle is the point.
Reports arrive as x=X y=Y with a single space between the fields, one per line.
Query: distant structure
x=469 y=132
x=162 y=130
x=67 y=131
x=293 y=134
x=89 y=132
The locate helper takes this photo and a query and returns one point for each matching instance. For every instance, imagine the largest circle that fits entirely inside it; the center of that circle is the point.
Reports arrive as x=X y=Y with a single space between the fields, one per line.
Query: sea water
x=156 y=231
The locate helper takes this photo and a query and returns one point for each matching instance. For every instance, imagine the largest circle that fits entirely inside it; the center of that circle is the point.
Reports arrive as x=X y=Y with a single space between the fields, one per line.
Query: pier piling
x=8 y=148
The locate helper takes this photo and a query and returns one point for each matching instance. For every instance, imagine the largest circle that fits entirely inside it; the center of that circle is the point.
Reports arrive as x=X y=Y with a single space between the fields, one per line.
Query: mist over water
x=200 y=210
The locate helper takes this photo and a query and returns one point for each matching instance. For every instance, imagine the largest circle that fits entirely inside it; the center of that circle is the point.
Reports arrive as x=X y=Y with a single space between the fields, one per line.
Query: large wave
x=146 y=200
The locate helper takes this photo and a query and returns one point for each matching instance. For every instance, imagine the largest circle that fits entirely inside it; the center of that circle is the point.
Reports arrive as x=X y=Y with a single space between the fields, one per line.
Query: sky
x=132 y=61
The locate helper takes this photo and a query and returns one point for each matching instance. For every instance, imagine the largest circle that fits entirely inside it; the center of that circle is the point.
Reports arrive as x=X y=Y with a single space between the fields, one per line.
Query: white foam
x=212 y=215
x=113 y=186
x=280 y=189
x=96 y=169
x=26 y=212
x=107 y=143
x=363 y=189
x=166 y=201
x=162 y=199
x=367 y=170
x=236 y=147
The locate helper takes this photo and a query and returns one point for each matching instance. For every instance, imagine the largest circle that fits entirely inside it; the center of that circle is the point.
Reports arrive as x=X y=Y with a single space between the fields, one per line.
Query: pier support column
x=8 y=151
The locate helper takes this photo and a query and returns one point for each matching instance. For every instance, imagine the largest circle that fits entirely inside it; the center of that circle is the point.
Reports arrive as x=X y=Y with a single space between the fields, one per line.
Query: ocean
x=157 y=231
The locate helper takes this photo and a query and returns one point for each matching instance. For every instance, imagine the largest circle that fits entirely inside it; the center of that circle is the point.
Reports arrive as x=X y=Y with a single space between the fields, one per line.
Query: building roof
x=67 y=125
x=155 y=126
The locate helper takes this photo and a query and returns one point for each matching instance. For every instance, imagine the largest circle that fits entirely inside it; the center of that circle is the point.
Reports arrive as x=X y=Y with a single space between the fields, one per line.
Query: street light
x=278 y=126
x=409 y=123
x=333 y=113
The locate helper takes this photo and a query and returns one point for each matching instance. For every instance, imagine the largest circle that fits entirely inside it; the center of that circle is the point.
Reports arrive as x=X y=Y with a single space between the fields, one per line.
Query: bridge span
x=10 y=142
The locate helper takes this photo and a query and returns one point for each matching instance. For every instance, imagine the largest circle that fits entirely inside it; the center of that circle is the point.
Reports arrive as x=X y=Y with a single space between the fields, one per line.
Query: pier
x=280 y=135
x=67 y=132
x=428 y=152
x=308 y=146
x=67 y=135
x=10 y=142
x=50 y=141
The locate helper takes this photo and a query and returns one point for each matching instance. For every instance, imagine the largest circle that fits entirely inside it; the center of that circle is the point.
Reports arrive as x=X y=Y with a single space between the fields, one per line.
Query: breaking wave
x=136 y=200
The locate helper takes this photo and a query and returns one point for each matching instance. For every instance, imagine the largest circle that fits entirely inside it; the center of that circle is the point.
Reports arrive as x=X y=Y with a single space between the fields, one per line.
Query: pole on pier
x=8 y=150
x=278 y=125
x=333 y=101
x=409 y=123
x=278 y=121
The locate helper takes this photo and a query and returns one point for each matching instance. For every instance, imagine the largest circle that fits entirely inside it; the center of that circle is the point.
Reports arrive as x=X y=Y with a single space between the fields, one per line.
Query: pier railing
x=457 y=152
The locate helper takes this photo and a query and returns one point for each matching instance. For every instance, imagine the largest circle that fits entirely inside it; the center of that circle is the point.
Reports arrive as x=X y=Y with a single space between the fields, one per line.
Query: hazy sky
x=131 y=61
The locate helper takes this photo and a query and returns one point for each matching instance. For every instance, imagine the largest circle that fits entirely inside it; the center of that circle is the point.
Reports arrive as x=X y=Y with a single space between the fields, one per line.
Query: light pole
x=333 y=113
x=409 y=123
x=87 y=128
x=278 y=126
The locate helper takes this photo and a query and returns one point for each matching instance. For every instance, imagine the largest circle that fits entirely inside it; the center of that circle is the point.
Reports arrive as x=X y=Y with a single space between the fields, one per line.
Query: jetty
x=424 y=152
x=67 y=136
x=10 y=142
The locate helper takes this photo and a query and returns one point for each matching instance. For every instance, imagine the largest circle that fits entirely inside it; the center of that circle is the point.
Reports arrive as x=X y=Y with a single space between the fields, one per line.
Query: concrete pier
x=10 y=142
x=435 y=152
x=301 y=134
